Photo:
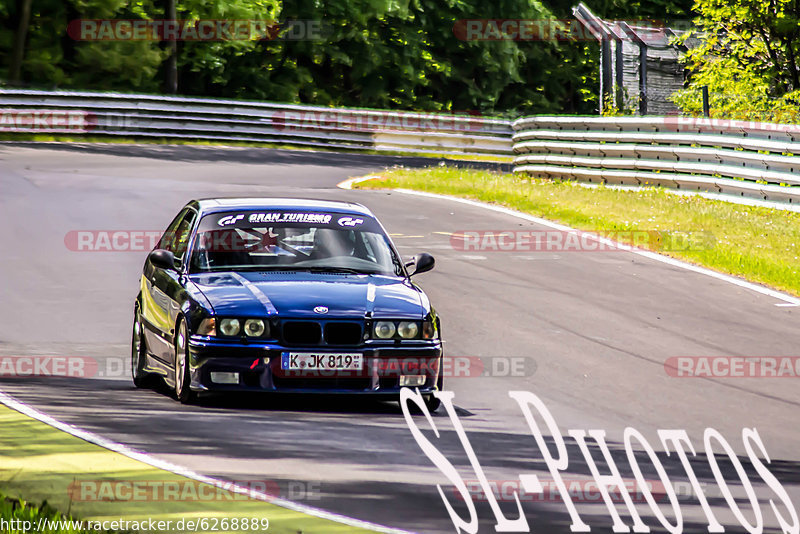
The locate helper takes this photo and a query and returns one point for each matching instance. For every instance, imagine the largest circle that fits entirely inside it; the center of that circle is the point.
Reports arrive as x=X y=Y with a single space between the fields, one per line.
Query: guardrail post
x=642 y=65
x=600 y=32
x=18 y=50
x=605 y=79
x=172 y=45
x=618 y=74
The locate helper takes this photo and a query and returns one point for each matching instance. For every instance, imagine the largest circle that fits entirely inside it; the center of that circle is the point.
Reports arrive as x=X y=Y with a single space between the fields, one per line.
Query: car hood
x=296 y=294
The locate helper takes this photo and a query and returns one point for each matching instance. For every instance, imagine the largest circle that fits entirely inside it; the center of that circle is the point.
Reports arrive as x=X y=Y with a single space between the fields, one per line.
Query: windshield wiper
x=331 y=269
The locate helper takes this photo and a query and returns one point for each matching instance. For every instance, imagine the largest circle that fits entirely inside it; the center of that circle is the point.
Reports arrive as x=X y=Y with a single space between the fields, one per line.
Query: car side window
x=169 y=233
x=181 y=242
x=176 y=238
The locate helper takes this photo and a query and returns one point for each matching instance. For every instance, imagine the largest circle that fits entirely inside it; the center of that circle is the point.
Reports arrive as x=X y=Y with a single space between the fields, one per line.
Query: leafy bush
x=747 y=56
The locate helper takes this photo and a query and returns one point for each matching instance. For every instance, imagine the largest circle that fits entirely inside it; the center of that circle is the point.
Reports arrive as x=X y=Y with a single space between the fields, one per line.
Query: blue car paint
x=296 y=294
x=280 y=296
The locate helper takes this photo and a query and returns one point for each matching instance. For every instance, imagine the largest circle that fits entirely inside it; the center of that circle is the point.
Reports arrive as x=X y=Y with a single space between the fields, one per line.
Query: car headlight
x=408 y=329
x=254 y=328
x=229 y=327
x=207 y=327
x=384 y=329
x=428 y=330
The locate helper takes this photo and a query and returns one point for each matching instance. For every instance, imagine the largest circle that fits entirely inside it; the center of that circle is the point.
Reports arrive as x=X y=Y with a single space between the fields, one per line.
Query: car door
x=164 y=289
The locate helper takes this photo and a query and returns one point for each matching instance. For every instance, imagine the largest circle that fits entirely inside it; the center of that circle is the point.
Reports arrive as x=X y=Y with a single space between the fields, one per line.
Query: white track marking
x=746 y=201
x=90 y=437
x=535 y=258
x=787 y=300
x=348 y=184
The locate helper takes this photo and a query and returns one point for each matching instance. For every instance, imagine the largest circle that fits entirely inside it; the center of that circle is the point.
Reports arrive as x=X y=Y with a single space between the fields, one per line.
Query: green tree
x=53 y=58
x=400 y=54
x=405 y=55
x=747 y=56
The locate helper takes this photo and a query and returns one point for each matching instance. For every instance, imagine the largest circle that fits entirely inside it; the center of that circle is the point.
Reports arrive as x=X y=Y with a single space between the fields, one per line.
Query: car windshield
x=280 y=240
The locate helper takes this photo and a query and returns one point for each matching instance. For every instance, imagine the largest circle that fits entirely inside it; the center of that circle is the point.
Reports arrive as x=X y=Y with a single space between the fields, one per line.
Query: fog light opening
x=412 y=380
x=224 y=378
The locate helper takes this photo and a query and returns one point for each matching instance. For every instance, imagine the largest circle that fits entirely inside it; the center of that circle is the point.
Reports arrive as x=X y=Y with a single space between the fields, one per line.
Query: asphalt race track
x=594 y=329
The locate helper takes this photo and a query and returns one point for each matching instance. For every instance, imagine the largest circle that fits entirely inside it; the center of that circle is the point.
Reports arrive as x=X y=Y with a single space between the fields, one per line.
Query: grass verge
x=755 y=243
x=18 y=516
x=39 y=463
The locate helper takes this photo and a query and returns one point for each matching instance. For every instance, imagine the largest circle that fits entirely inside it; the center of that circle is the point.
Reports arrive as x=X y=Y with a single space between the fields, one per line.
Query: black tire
x=141 y=378
x=432 y=403
x=183 y=391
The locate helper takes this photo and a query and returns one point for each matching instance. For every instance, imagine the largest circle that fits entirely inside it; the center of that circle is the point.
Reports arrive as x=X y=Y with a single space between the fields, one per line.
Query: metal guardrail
x=759 y=160
x=113 y=114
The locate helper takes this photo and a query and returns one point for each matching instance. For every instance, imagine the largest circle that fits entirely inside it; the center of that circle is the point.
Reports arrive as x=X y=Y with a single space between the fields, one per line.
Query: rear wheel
x=182 y=377
x=141 y=379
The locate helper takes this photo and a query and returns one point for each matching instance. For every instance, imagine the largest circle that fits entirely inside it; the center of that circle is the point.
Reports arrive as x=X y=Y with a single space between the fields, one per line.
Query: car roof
x=216 y=205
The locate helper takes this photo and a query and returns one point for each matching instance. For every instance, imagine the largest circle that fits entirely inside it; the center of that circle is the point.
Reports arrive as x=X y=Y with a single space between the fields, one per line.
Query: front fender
x=193 y=312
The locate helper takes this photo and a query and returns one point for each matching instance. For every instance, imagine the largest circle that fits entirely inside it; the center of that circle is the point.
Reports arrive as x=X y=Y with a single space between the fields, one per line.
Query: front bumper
x=258 y=367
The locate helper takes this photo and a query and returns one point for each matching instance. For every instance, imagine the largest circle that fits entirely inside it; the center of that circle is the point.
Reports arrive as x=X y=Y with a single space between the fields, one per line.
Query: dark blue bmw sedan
x=283 y=295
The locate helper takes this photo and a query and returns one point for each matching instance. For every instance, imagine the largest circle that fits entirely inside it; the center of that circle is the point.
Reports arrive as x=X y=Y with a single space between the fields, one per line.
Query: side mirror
x=423 y=262
x=163 y=259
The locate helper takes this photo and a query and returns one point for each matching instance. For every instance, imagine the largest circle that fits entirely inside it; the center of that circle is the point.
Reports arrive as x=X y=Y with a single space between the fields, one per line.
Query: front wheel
x=141 y=379
x=182 y=377
x=432 y=403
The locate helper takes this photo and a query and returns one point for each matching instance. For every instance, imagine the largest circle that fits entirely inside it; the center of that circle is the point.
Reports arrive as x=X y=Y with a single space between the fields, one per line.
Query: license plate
x=308 y=361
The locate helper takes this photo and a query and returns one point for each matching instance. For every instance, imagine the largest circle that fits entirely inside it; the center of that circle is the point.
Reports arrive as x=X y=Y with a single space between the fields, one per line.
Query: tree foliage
x=405 y=55
x=399 y=54
x=54 y=59
x=747 y=56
